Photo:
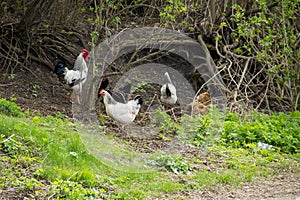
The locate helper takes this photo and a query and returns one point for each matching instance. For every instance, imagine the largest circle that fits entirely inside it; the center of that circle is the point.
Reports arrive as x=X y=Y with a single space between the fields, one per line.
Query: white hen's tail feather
x=168 y=91
x=167 y=79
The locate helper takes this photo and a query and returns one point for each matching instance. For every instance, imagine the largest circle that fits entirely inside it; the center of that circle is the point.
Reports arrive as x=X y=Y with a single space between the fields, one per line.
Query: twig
x=7 y=84
x=7 y=138
x=243 y=74
x=226 y=47
x=241 y=79
x=265 y=94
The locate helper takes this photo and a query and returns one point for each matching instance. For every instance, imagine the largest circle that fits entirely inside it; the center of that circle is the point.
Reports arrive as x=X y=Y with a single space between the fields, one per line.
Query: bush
x=10 y=108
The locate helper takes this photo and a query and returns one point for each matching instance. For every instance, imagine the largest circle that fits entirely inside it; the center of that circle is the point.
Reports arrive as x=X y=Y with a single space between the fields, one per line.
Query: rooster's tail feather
x=60 y=65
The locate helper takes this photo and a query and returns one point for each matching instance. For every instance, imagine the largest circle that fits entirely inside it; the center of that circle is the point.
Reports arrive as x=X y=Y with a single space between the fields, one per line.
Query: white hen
x=121 y=112
x=77 y=76
x=168 y=91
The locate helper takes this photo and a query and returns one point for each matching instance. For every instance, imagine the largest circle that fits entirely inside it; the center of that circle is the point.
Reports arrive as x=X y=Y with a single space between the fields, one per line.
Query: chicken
x=103 y=85
x=202 y=103
x=121 y=112
x=76 y=77
x=168 y=91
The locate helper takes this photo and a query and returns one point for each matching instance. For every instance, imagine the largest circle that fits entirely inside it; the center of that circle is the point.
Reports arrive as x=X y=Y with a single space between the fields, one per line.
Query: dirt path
x=285 y=186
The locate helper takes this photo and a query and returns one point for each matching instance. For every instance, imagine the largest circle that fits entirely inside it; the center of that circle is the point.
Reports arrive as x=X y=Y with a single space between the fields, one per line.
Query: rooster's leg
x=77 y=99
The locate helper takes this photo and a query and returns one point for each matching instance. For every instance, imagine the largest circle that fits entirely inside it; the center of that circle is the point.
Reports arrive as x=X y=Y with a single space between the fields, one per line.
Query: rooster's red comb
x=84 y=51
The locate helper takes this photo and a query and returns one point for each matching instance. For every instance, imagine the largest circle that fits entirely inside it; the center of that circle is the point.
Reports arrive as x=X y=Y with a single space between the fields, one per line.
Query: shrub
x=10 y=108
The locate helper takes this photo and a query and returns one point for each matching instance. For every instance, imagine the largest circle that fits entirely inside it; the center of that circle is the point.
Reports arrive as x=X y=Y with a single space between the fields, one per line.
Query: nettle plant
x=279 y=130
x=271 y=36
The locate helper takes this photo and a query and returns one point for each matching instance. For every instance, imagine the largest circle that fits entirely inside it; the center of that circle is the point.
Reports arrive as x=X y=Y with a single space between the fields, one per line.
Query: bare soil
x=285 y=186
x=37 y=90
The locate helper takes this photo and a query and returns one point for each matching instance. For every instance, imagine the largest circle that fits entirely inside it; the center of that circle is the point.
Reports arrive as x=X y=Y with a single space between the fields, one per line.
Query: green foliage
x=71 y=190
x=34 y=89
x=19 y=157
x=195 y=129
x=107 y=13
x=95 y=37
x=161 y=136
x=142 y=87
x=26 y=144
x=172 y=10
x=12 y=76
x=280 y=130
x=165 y=123
x=59 y=115
x=10 y=108
x=101 y=120
x=11 y=146
x=270 y=35
x=173 y=163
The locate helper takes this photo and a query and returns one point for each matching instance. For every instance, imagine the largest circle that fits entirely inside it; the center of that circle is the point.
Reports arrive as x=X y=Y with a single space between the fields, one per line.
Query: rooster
x=76 y=77
x=168 y=91
x=121 y=112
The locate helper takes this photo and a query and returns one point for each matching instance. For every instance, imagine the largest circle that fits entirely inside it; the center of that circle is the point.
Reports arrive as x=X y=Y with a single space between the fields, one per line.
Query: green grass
x=38 y=151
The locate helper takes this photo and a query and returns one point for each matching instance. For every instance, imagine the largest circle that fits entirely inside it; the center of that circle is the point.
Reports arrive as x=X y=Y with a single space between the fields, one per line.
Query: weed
x=34 y=89
x=165 y=123
x=142 y=87
x=195 y=130
x=10 y=108
x=12 y=76
x=173 y=163
x=71 y=190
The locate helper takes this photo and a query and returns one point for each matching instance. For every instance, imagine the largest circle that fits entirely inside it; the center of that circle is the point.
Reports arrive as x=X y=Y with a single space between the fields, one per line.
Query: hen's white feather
x=121 y=112
x=168 y=91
